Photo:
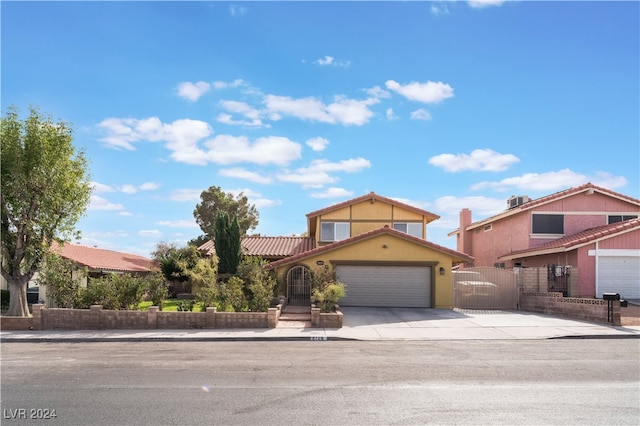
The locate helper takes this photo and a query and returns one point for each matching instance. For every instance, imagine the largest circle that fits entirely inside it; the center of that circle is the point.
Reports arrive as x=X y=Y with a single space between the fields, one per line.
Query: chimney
x=464 y=241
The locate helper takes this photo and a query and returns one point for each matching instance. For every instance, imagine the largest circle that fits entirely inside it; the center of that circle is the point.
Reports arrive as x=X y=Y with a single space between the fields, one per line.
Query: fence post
x=152 y=317
x=210 y=321
x=95 y=311
x=38 y=316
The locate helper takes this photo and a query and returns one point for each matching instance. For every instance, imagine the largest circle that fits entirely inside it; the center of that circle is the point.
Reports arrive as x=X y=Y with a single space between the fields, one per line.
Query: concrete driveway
x=460 y=324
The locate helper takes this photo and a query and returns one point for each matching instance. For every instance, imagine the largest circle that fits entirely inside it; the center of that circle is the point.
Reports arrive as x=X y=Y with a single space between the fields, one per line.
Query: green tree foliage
x=213 y=200
x=157 y=289
x=176 y=264
x=227 y=243
x=45 y=190
x=62 y=278
x=114 y=291
x=326 y=290
x=260 y=285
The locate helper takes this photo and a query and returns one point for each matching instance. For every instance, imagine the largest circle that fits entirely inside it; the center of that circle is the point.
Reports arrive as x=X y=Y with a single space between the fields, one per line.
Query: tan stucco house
x=377 y=247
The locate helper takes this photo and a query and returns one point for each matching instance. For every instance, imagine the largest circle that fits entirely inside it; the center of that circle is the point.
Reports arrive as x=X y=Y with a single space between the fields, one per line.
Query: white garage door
x=620 y=274
x=386 y=286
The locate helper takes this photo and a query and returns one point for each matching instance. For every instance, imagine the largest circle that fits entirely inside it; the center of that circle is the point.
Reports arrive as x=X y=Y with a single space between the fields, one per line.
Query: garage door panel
x=386 y=286
x=619 y=274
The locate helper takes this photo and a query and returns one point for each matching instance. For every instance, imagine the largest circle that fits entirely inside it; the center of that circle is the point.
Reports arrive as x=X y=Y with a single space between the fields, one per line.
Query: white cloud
x=149 y=186
x=101 y=188
x=180 y=136
x=331 y=61
x=421 y=114
x=318 y=173
x=332 y=193
x=318 y=143
x=391 y=115
x=255 y=198
x=479 y=4
x=218 y=85
x=552 y=181
x=150 y=233
x=342 y=110
x=226 y=149
x=254 y=115
x=193 y=91
x=99 y=203
x=182 y=195
x=128 y=189
x=178 y=223
x=245 y=174
x=483 y=206
x=429 y=92
x=228 y=119
x=237 y=10
x=483 y=160
x=378 y=93
x=439 y=9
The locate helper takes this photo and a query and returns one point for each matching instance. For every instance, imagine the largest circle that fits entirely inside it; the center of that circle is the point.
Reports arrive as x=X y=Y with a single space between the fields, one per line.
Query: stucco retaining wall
x=554 y=303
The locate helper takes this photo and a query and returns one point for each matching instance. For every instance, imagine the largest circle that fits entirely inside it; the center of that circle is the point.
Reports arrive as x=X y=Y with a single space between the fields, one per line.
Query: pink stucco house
x=590 y=228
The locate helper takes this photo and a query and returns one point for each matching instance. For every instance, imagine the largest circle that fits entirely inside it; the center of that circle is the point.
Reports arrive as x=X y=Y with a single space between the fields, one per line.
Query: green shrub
x=327 y=296
x=186 y=305
x=157 y=289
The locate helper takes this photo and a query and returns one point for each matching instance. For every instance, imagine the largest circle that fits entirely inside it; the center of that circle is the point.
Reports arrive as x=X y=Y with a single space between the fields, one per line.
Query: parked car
x=472 y=284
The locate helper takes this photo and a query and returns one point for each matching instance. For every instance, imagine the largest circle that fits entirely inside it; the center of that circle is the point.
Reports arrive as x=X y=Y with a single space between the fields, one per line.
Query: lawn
x=170 y=305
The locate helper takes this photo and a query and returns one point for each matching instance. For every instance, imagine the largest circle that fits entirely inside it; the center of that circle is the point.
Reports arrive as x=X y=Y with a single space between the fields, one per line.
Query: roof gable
x=577 y=240
x=586 y=188
x=372 y=196
x=104 y=260
x=461 y=257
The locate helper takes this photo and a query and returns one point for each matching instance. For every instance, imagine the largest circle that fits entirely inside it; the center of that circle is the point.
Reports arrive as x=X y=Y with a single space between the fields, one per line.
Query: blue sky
x=442 y=105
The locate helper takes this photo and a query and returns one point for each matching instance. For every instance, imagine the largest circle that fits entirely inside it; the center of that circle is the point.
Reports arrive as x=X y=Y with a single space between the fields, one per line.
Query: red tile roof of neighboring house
x=587 y=187
x=572 y=242
x=379 y=231
x=374 y=196
x=268 y=247
x=104 y=260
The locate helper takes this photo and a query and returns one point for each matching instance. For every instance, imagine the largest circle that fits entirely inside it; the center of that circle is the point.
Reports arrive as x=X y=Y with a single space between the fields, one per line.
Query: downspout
x=597 y=268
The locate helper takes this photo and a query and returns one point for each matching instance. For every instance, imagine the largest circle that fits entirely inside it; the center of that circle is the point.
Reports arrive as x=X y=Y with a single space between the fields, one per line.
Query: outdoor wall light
x=441 y=270
x=320 y=262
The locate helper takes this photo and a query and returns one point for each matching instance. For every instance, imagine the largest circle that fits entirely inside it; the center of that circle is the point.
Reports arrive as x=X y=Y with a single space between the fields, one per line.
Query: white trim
x=615 y=252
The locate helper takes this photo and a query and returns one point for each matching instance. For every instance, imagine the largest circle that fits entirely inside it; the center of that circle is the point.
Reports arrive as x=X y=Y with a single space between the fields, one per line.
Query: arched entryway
x=299 y=285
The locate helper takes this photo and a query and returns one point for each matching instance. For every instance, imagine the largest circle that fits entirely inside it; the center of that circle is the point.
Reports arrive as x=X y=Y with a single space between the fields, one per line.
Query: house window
x=488 y=227
x=410 y=228
x=621 y=218
x=547 y=224
x=334 y=231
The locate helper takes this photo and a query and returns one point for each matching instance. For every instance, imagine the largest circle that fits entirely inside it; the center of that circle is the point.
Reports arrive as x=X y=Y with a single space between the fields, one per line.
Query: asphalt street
x=575 y=381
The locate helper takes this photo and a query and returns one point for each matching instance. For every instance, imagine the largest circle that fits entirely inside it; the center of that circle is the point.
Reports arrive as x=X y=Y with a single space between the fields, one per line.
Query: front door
x=299 y=286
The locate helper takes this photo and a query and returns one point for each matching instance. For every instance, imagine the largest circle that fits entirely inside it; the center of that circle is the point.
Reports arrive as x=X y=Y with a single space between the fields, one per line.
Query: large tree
x=214 y=200
x=45 y=190
x=227 y=243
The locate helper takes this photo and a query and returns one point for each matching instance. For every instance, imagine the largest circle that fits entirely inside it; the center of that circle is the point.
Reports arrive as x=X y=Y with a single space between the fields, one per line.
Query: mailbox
x=610 y=296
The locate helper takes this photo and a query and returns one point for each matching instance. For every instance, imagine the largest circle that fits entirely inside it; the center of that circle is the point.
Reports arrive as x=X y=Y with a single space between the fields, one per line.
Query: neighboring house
x=376 y=245
x=99 y=262
x=590 y=228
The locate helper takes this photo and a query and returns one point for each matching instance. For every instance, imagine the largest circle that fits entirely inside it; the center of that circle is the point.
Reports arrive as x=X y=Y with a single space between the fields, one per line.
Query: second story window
x=410 y=228
x=334 y=231
x=547 y=224
x=621 y=218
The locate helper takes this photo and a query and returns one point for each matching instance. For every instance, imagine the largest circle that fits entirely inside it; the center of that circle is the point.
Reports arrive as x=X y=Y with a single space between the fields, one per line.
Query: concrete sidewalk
x=368 y=324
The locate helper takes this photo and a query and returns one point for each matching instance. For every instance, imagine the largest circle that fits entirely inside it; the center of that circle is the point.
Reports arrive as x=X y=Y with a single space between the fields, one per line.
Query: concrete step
x=295 y=317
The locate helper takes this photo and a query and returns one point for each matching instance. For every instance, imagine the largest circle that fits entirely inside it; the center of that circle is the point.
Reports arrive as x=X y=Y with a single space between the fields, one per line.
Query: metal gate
x=299 y=286
x=485 y=288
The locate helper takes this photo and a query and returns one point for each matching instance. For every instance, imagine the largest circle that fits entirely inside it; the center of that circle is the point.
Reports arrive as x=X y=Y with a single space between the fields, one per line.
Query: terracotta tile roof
x=97 y=259
x=572 y=242
x=268 y=247
x=379 y=231
x=550 y=198
x=374 y=196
